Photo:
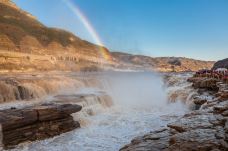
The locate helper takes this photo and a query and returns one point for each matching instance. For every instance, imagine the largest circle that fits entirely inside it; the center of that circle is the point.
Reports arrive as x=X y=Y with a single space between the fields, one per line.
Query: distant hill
x=165 y=64
x=20 y=31
x=28 y=45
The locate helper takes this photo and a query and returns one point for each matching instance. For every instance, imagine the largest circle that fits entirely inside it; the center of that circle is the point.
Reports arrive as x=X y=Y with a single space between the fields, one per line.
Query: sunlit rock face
x=162 y=64
x=28 y=45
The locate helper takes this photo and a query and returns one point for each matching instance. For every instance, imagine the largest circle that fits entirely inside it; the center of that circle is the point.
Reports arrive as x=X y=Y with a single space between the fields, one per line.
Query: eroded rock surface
x=202 y=130
x=204 y=83
x=36 y=123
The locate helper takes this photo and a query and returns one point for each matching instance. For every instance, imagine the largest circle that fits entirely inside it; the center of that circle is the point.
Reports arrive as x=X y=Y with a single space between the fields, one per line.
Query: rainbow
x=72 y=6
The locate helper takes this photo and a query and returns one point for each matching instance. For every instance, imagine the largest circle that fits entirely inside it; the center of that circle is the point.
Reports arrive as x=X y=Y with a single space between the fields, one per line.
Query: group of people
x=220 y=74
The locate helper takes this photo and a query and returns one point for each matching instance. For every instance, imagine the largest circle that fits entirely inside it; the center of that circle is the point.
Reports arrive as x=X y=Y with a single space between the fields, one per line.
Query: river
x=140 y=103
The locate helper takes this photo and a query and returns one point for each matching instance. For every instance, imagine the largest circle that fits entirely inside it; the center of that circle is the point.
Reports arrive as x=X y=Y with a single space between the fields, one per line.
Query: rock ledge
x=36 y=123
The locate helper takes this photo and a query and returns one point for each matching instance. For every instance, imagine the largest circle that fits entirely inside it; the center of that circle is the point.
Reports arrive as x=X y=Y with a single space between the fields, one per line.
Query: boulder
x=204 y=83
x=154 y=141
x=193 y=121
x=36 y=122
x=223 y=95
x=208 y=83
x=199 y=101
x=195 y=140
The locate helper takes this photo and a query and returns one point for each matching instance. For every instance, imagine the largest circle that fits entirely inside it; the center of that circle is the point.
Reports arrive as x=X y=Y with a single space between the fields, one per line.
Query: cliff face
x=221 y=64
x=165 y=64
x=21 y=35
x=20 y=31
x=28 y=45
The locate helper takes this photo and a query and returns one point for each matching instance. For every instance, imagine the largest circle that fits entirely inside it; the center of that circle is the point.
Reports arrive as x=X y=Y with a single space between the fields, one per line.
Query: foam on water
x=109 y=130
x=140 y=106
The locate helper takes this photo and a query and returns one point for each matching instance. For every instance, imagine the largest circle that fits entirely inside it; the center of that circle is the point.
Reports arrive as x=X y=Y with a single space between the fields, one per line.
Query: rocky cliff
x=221 y=64
x=28 y=45
x=165 y=64
x=25 y=44
x=20 y=31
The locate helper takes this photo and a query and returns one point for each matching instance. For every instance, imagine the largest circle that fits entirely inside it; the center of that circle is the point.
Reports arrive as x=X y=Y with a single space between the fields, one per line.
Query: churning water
x=140 y=105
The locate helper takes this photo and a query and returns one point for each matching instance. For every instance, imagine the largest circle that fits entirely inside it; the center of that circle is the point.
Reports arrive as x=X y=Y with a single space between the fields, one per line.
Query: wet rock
x=13 y=118
x=195 y=79
x=12 y=82
x=195 y=140
x=191 y=122
x=198 y=101
x=222 y=95
x=35 y=123
x=221 y=107
x=50 y=112
x=200 y=130
x=154 y=141
x=225 y=113
x=226 y=127
x=206 y=83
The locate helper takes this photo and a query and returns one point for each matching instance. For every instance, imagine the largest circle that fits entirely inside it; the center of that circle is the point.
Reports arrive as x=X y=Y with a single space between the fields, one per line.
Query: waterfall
x=28 y=89
x=117 y=106
x=92 y=105
x=179 y=89
x=124 y=89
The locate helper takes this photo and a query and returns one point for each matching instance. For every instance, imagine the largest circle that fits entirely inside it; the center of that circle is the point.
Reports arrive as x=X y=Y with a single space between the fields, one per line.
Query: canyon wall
x=28 y=45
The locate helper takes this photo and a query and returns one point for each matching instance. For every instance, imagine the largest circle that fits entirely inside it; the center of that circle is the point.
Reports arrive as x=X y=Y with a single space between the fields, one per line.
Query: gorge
x=60 y=92
x=116 y=106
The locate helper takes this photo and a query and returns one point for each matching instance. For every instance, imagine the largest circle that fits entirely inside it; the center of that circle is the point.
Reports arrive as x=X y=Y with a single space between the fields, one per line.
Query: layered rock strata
x=36 y=123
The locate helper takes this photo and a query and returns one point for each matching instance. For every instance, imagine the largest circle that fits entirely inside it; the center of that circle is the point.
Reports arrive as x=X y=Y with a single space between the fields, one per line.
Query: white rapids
x=140 y=105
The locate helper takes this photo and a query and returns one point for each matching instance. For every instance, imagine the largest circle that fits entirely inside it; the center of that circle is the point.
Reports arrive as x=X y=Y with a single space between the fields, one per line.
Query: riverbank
x=204 y=129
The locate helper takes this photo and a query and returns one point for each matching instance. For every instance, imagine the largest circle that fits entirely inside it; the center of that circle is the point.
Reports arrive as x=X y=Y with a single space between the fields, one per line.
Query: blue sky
x=189 y=28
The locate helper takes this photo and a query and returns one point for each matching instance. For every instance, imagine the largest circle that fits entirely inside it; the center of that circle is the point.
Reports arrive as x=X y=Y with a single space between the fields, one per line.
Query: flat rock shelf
x=36 y=123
